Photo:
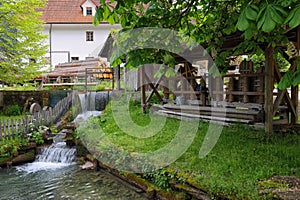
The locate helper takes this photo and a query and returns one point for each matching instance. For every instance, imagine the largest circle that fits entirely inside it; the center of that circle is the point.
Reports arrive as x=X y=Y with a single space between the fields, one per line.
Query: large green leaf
x=295 y=20
x=275 y=15
x=243 y=22
x=268 y=24
x=98 y=16
x=251 y=12
x=286 y=80
x=296 y=78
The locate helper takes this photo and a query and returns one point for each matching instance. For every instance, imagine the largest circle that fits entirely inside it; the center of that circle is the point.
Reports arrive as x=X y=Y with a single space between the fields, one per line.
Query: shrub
x=13 y=110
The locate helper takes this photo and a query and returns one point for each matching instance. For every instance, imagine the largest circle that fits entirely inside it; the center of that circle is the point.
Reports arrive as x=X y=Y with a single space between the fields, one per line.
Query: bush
x=13 y=110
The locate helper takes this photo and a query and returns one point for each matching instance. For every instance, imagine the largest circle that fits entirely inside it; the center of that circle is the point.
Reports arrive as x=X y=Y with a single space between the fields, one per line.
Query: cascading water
x=58 y=152
x=92 y=103
x=55 y=156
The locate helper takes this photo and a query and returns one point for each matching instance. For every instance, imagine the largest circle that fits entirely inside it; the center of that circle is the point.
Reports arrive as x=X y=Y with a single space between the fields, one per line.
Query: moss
x=270 y=184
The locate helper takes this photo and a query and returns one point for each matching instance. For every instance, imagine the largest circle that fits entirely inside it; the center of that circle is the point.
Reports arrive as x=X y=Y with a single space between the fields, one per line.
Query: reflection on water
x=62 y=182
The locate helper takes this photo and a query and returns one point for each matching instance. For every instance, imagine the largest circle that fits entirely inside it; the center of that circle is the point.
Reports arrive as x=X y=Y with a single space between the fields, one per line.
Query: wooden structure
x=247 y=96
x=80 y=73
x=21 y=127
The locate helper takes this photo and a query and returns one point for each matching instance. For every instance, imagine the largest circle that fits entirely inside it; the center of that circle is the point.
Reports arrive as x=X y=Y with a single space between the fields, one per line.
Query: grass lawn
x=241 y=158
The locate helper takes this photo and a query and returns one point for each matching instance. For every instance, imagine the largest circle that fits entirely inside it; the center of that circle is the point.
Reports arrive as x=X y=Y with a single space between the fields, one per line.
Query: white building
x=72 y=36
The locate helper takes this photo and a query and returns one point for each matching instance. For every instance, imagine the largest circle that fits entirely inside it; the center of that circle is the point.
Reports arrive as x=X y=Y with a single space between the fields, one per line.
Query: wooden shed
x=242 y=95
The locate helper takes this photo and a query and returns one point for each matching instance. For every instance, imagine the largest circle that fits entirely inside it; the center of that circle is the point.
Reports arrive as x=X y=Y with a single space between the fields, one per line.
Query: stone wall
x=8 y=98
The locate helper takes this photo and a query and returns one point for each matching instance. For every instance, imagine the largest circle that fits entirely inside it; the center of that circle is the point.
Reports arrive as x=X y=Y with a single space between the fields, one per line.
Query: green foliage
x=9 y=146
x=13 y=110
x=37 y=136
x=261 y=23
x=21 y=40
x=36 y=133
x=233 y=168
x=290 y=78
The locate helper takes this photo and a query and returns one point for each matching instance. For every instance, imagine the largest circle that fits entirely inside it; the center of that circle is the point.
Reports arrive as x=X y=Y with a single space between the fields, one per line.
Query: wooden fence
x=21 y=127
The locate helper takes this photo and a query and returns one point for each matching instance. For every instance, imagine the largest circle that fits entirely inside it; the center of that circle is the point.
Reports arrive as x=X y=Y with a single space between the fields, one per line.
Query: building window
x=73 y=59
x=89 y=11
x=89 y=36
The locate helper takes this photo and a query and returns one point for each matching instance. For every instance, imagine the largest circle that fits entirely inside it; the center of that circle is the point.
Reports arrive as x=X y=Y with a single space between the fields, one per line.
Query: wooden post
x=295 y=89
x=230 y=88
x=85 y=79
x=143 y=89
x=118 y=77
x=245 y=88
x=112 y=79
x=269 y=85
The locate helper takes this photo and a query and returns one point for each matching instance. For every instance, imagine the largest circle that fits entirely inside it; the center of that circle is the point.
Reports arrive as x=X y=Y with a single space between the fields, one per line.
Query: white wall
x=70 y=40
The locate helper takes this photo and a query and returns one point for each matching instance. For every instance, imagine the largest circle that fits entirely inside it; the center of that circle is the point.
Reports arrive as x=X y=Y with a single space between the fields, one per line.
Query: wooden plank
x=212 y=109
x=186 y=118
x=70 y=84
x=17 y=126
x=143 y=89
x=241 y=93
x=253 y=106
x=12 y=127
x=222 y=119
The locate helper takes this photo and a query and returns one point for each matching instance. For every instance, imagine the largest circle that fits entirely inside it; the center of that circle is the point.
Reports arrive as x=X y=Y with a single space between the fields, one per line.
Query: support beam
x=284 y=94
x=118 y=77
x=143 y=89
x=295 y=89
x=154 y=89
x=269 y=85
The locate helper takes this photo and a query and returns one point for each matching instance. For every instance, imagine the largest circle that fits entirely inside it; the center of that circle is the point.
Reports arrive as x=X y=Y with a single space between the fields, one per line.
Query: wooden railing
x=21 y=127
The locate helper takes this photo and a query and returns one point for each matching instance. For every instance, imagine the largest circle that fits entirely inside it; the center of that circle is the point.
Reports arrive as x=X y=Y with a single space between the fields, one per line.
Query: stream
x=55 y=175
x=62 y=182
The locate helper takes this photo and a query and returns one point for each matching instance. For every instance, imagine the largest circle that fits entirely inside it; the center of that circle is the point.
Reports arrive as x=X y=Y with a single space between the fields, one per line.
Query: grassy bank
x=240 y=160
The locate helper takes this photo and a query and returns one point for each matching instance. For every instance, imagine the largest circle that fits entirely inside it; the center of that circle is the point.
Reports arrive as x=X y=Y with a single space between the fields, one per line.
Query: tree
x=21 y=40
x=260 y=24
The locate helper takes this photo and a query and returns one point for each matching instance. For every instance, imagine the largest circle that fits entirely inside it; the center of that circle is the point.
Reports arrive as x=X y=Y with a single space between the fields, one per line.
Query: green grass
x=241 y=158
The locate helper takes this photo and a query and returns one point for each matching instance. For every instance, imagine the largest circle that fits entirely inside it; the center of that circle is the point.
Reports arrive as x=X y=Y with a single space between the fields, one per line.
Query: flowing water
x=63 y=182
x=55 y=174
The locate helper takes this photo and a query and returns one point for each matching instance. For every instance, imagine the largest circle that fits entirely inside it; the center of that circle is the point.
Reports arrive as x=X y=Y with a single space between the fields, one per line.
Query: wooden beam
x=154 y=89
x=143 y=89
x=284 y=94
x=269 y=85
x=295 y=89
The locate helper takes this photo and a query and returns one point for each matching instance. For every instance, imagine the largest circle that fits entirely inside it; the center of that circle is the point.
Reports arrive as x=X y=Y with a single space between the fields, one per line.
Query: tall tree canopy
x=21 y=40
x=259 y=23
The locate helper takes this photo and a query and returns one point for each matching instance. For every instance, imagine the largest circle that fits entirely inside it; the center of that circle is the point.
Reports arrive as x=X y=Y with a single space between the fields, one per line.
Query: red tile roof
x=65 y=11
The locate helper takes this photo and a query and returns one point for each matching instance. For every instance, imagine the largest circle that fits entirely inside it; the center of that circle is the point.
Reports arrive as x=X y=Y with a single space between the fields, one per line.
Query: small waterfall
x=58 y=152
x=56 y=156
x=87 y=101
x=92 y=103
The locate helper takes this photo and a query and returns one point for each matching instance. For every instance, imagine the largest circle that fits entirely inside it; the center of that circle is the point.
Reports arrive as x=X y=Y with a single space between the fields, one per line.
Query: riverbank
x=242 y=165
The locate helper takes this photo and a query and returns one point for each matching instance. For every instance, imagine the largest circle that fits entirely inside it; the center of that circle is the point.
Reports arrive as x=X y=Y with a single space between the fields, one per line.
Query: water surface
x=52 y=181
